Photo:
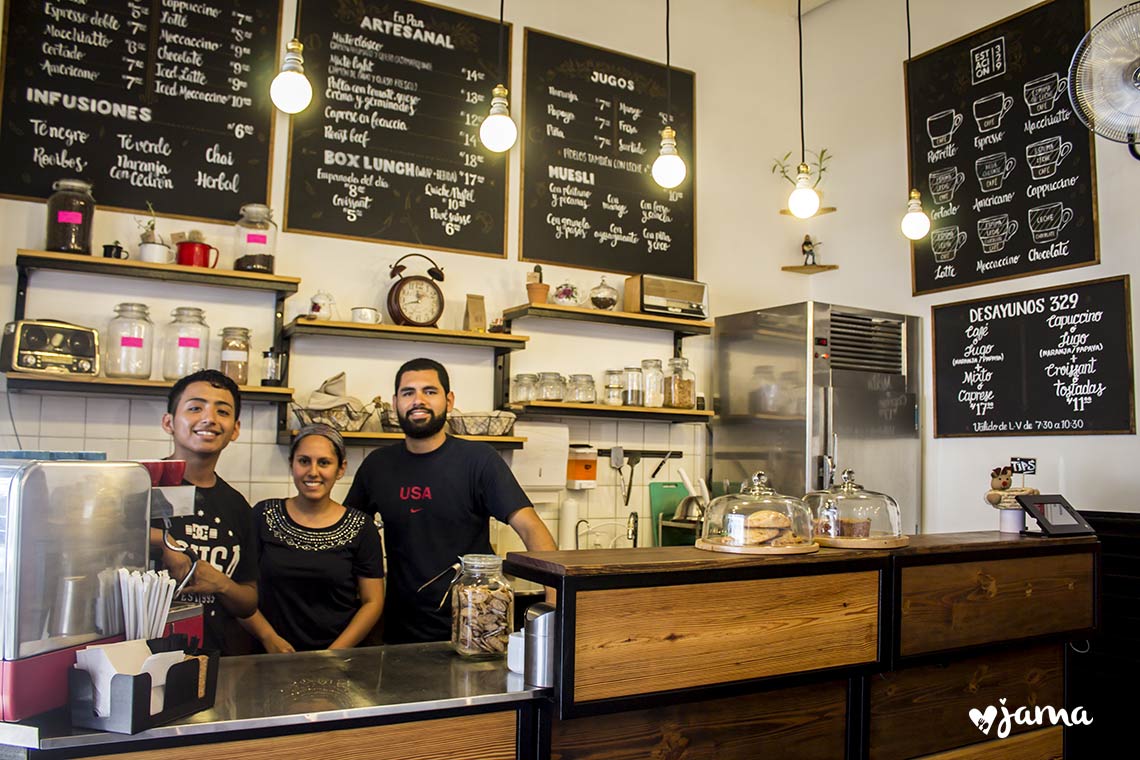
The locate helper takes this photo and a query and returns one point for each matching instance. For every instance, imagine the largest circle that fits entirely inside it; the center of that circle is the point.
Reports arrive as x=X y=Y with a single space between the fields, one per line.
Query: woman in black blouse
x=321 y=583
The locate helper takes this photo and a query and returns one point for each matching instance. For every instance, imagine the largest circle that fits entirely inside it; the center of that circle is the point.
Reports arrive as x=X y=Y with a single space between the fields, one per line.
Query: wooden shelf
x=811 y=268
x=824 y=210
x=26 y=381
x=67 y=262
x=645 y=413
x=684 y=327
x=306 y=326
x=373 y=438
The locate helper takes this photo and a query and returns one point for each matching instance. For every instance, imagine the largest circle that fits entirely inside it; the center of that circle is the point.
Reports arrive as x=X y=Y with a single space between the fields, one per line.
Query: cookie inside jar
x=757 y=520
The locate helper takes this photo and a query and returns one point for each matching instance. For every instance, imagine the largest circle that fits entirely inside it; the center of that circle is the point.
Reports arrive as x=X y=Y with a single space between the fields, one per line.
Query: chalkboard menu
x=593 y=130
x=1004 y=166
x=159 y=101
x=389 y=149
x=1043 y=362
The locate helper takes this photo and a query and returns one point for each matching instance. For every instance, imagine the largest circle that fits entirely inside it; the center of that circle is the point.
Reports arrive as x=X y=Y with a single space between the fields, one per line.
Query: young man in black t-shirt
x=435 y=494
x=202 y=418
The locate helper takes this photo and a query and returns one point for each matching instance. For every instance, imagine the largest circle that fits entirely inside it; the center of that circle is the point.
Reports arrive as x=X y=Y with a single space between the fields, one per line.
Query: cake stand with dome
x=757 y=521
x=848 y=516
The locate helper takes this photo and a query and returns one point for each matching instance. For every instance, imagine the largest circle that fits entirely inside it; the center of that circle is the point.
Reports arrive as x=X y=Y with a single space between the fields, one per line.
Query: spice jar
x=255 y=239
x=614 y=380
x=654 y=379
x=551 y=387
x=235 y=354
x=680 y=385
x=482 y=607
x=633 y=394
x=69 y=214
x=272 y=367
x=604 y=296
x=187 y=342
x=524 y=388
x=129 y=342
x=582 y=390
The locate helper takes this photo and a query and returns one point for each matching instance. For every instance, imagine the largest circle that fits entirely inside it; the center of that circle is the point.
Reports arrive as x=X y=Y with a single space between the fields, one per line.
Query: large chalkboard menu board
x=389 y=149
x=159 y=101
x=1005 y=167
x=1043 y=362
x=593 y=130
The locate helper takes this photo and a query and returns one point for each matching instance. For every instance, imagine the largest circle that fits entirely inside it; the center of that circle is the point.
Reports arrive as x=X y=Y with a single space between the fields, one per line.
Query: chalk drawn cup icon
x=941 y=127
x=1046 y=222
x=944 y=183
x=992 y=171
x=1045 y=155
x=995 y=231
x=1041 y=93
x=988 y=111
x=945 y=243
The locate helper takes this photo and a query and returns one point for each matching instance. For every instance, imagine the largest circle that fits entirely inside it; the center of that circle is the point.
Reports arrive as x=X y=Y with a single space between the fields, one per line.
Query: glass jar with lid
x=235 y=354
x=757 y=521
x=613 y=385
x=654 y=380
x=129 y=342
x=272 y=367
x=633 y=390
x=255 y=239
x=848 y=516
x=482 y=607
x=524 y=387
x=680 y=385
x=186 y=344
x=551 y=387
x=70 y=210
x=603 y=296
x=581 y=389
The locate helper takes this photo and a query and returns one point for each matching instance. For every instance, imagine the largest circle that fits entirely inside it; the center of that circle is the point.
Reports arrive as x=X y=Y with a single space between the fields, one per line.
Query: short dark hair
x=421 y=364
x=211 y=376
x=326 y=432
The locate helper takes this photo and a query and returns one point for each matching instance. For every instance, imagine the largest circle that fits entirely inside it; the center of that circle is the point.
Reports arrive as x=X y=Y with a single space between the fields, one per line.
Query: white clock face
x=420 y=302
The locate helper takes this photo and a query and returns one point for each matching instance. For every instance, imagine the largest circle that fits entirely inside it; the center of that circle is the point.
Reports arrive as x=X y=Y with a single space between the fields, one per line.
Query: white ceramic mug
x=156 y=253
x=366 y=315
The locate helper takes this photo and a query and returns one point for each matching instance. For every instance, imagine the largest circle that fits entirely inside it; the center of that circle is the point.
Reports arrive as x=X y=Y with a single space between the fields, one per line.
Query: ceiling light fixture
x=915 y=223
x=498 y=131
x=804 y=200
x=291 y=91
x=669 y=169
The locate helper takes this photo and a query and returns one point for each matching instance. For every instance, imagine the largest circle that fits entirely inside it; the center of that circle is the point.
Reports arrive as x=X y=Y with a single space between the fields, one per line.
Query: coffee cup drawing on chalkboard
x=944 y=183
x=988 y=111
x=992 y=171
x=1045 y=155
x=1046 y=222
x=945 y=243
x=1041 y=93
x=941 y=127
x=995 y=231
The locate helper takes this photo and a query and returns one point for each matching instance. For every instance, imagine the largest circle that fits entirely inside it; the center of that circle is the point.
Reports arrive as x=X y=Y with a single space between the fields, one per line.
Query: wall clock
x=415 y=300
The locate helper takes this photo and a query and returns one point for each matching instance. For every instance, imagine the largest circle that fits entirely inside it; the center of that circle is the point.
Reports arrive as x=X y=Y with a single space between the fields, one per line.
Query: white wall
x=854 y=52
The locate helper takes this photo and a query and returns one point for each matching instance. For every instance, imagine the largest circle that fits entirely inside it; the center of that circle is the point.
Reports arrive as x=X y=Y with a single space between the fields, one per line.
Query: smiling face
x=315 y=467
x=421 y=405
x=203 y=422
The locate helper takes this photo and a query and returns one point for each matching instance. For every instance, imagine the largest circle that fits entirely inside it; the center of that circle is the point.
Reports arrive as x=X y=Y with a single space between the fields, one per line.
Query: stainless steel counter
x=263 y=691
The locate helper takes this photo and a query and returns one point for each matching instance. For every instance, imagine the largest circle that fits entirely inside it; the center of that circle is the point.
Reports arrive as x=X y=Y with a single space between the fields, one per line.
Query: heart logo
x=983 y=720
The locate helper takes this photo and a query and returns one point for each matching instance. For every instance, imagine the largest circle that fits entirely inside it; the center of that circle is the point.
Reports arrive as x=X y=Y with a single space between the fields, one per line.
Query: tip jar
x=482 y=608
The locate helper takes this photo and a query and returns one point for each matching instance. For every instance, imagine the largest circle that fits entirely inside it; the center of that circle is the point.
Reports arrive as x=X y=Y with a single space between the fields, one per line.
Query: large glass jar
x=129 y=342
x=482 y=607
x=524 y=388
x=633 y=393
x=69 y=215
x=680 y=385
x=654 y=380
x=255 y=239
x=235 y=354
x=582 y=390
x=603 y=296
x=551 y=387
x=186 y=344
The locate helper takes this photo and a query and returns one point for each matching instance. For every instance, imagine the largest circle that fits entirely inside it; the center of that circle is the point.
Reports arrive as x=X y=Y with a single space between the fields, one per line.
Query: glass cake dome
x=848 y=516
x=757 y=521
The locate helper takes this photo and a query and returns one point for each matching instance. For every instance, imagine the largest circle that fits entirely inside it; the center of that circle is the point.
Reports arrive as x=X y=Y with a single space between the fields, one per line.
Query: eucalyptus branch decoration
x=786 y=167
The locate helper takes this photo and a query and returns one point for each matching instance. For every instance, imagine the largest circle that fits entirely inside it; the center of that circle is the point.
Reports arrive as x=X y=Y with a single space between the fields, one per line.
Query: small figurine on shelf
x=497 y=326
x=1003 y=496
x=808 y=250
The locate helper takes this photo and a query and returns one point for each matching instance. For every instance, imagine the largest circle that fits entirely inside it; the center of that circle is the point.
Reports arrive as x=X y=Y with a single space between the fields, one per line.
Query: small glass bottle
x=614 y=381
x=129 y=342
x=654 y=382
x=680 y=385
x=633 y=394
x=551 y=387
x=272 y=367
x=255 y=239
x=482 y=608
x=582 y=389
x=69 y=215
x=187 y=343
x=235 y=354
x=523 y=388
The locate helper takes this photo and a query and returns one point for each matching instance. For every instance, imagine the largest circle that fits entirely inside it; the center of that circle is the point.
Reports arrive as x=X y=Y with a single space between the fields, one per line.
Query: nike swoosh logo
x=416 y=509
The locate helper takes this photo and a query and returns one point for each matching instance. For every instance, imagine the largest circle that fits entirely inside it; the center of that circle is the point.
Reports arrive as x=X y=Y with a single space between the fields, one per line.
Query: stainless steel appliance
x=806 y=388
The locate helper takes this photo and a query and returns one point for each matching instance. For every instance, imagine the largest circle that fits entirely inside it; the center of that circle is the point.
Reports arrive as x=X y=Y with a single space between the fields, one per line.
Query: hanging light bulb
x=291 y=91
x=804 y=200
x=498 y=131
x=915 y=224
x=669 y=169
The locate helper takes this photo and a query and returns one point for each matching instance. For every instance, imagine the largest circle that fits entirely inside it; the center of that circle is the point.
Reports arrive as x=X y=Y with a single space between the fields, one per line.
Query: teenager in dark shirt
x=321 y=566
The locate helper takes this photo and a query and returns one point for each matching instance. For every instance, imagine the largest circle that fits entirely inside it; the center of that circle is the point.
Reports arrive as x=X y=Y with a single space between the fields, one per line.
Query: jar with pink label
x=129 y=342
x=255 y=239
x=70 y=210
x=187 y=340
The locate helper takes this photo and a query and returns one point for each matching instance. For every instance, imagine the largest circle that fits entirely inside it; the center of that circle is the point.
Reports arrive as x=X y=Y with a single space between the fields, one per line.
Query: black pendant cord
x=668 y=72
x=297 y=22
x=800 y=27
x=908 y=31
x=501 y=4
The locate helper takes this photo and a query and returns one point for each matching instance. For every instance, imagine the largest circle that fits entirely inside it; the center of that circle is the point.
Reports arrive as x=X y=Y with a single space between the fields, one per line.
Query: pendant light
x=669 y=169
x=915 y=224
x=804 y=200
x=291 y=91
x=498 y=131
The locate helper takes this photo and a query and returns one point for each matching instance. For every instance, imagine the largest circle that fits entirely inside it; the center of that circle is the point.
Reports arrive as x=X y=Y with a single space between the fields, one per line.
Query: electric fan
x=1104 y=77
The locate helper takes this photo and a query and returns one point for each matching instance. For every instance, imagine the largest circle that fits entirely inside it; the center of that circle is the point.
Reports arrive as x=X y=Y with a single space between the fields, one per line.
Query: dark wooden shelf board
x=25 y=381
x=647 y=414
x=312 y=327
x=684 y=327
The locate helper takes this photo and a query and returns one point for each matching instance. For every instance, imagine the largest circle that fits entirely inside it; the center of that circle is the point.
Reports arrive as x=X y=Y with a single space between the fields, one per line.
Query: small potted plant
x=536 y=290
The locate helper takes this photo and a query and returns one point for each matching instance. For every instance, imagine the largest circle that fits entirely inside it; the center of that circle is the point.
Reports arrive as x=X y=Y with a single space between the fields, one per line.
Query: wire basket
x=481 y=423
x=342 y=418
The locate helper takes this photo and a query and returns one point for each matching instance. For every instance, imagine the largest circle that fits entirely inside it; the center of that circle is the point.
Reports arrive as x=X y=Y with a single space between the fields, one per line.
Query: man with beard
x=434 y=495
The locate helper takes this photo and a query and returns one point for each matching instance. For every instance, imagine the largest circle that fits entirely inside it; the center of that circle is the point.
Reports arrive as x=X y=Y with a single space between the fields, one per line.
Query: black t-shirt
x=435 y=508
x=308 y=586
x=220 y=532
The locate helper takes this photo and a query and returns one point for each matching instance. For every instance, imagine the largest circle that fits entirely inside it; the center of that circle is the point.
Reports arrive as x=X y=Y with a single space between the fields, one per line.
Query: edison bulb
x=291 y=90
x=498 y=131
x=669 y=169
x=915 y=224
x=804 y=200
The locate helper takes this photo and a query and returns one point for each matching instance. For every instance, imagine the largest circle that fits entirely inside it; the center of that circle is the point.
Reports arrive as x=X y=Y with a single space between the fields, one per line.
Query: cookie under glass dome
x=848 y=516
x=757 y=521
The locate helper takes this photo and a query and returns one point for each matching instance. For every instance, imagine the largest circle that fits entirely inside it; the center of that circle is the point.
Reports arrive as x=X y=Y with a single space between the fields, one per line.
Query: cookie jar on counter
x=757 y=521
x=848 y=516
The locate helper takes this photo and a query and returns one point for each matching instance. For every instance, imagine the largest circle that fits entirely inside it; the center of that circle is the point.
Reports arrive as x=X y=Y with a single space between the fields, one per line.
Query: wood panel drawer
x=644 y=640
x=1043 y=744
x=963 y=604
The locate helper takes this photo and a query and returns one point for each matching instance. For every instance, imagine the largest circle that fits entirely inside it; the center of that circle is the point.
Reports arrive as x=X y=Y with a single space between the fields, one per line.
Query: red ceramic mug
x=192 y=254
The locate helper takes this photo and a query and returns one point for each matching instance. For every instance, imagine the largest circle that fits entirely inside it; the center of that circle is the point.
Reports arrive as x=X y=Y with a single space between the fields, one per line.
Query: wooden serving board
x=863 y=543
x=715 y=545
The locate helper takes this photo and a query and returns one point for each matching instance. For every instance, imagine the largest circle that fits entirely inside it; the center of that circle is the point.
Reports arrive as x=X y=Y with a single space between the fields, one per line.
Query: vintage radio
x=49 y=347
x=671 y=296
